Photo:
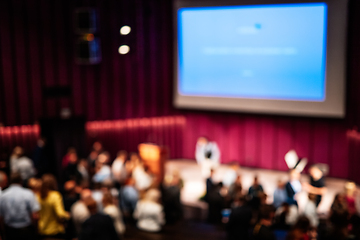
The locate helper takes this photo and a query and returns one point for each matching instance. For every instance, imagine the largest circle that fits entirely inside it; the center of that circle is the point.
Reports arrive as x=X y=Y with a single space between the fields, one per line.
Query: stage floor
x=194 y=183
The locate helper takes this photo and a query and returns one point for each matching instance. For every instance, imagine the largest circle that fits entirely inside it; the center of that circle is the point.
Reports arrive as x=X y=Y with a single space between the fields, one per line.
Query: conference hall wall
x=37 y=51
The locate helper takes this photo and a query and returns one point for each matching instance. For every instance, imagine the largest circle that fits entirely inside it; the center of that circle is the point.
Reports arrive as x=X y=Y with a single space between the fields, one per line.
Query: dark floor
x=185 y=229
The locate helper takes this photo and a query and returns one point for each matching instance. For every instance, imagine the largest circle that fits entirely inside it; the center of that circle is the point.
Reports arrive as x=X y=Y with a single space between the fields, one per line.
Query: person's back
x=51 y=211
x=98 y=226
x=239 y=221
x=18 y=208
x=262 y=230
x=149 y=213
x=52 y=208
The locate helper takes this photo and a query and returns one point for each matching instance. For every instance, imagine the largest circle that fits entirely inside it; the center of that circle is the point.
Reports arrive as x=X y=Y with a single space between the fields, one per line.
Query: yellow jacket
x=52 y=213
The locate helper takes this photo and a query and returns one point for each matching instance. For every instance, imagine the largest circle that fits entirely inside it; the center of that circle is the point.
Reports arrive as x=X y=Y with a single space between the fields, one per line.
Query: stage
x=194 y=184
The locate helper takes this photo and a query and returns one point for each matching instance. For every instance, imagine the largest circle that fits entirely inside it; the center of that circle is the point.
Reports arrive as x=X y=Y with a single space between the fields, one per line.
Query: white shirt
x=150 y=216
x=118 y=170
x=202 y=149
x=142 y=179
x=24 y=166
x=79 y=214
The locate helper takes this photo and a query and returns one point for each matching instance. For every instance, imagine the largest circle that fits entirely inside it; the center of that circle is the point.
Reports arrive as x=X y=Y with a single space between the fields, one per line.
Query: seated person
x=149 y=213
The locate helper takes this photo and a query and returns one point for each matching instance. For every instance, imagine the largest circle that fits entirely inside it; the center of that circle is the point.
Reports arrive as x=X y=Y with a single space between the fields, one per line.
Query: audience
x=149 y=212
x=126 y=189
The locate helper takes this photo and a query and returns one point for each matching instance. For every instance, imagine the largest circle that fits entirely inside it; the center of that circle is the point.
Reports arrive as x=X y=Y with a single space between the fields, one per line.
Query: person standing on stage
x=293 y=187
x=317 y=183
x=207 y=155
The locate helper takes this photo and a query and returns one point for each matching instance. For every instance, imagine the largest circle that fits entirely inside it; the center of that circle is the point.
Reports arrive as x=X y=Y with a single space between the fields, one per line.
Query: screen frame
x=334 y=104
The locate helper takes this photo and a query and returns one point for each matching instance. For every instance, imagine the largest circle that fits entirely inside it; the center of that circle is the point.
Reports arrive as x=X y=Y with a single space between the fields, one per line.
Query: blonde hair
x=152 y=195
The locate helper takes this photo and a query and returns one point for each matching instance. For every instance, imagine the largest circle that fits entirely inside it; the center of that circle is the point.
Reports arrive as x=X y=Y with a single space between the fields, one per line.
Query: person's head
x=85 y=194
x=70 y=187
x=312 y=197
x=73 y=158
x=202 y=140
x=103 y=158
x=152 y=195
x=18 y=151
x=263 y=197
x=303 y=224
x=234 y=165
x=15 y=178
x=48 y=184
x=97 y=146
x=3 y=180
x=280 y=184
x=122 y=154
x=350 y=188
x=266 y=214
x=256 y=180
x=71 y=150
x=339 y=198
x=240 y=199
x=35 y=184
x=83 y=163
x=91 y=205
x=135 y=159
x=107 y=199
x=315 y=172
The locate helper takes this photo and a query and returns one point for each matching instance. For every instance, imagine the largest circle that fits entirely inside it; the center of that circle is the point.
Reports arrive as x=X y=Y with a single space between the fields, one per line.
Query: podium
x=154 y=157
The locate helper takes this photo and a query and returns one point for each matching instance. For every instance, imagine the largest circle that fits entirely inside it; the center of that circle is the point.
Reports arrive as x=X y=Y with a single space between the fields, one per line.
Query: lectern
x=154 y=157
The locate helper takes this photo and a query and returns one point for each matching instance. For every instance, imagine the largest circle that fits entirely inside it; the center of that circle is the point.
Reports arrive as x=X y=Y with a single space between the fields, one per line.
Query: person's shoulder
x=54 y=195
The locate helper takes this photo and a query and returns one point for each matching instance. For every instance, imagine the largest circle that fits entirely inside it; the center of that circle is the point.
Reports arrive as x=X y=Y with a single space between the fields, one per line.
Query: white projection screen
x=261 y=56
